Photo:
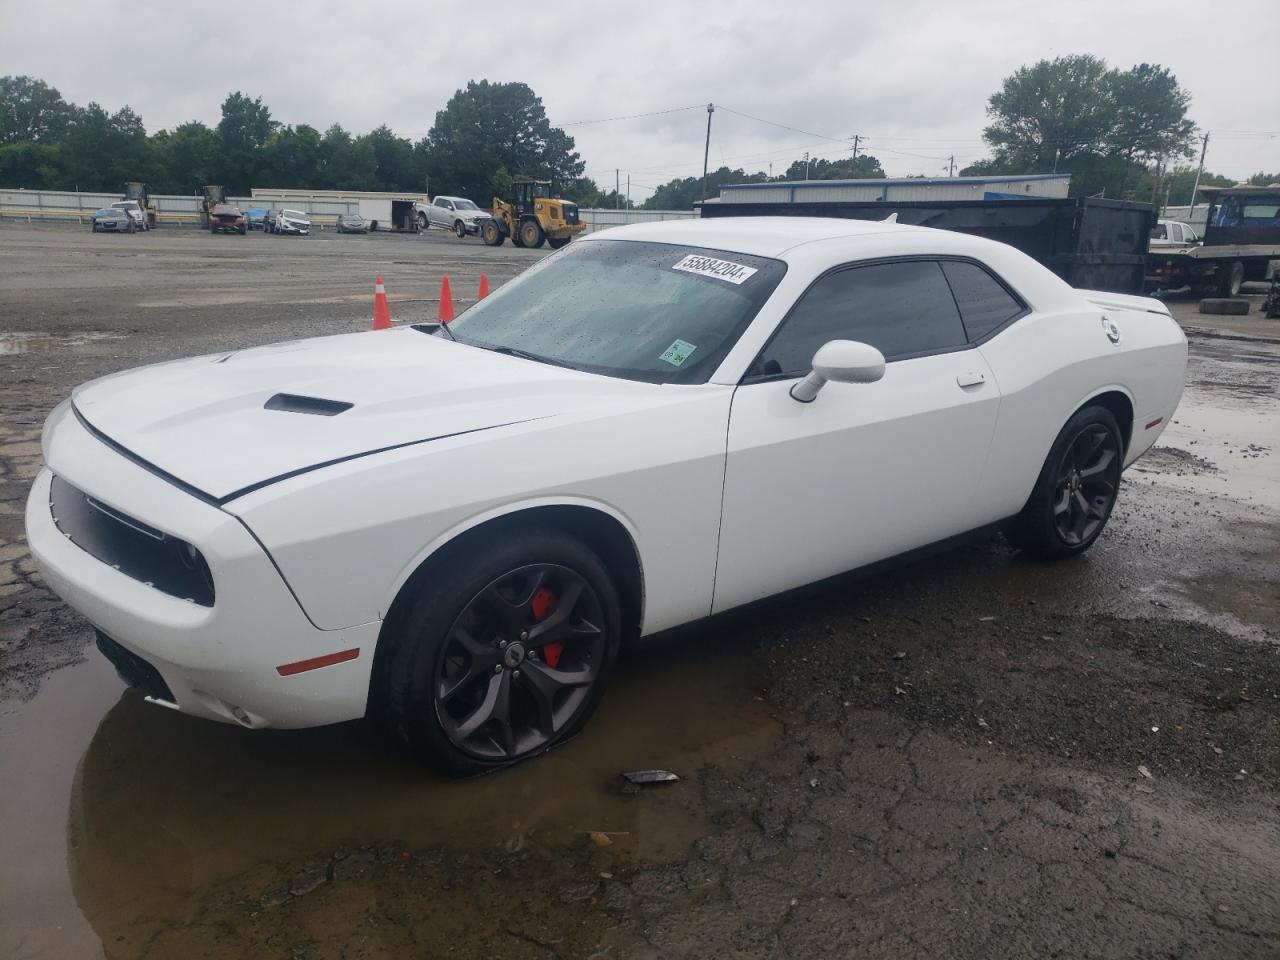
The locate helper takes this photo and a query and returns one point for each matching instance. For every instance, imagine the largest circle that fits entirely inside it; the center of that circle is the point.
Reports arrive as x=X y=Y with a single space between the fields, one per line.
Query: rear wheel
x=1230 y=278
x=556 y=244
x=504 y=653
x=531 y=234
x=1076 y=489
x=423 y=223
x=492 y=234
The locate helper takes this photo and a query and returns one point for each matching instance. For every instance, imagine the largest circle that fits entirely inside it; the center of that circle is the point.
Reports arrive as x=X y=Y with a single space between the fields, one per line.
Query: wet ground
x=974 y=756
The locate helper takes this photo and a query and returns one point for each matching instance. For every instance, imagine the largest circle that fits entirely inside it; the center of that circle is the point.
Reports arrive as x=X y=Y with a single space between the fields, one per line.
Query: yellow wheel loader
x=533 y=217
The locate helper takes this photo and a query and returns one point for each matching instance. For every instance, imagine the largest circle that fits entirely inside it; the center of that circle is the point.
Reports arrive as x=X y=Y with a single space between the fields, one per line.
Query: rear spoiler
x=1124 y=301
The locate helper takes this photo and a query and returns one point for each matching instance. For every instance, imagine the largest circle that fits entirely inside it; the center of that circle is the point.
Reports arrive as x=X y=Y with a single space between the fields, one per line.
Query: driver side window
x=903 y=309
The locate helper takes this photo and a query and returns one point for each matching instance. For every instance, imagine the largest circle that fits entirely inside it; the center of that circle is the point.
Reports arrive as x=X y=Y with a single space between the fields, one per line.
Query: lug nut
x=502 y=644
x=515 y=674
x=524 y=635
x=497 y=668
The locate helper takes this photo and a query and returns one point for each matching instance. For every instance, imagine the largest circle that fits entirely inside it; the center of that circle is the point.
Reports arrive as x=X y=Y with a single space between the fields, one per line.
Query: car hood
x=212 y=423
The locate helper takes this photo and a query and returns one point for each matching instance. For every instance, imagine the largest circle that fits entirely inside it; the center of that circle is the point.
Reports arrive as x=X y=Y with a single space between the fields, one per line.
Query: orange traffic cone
x=484 y=287
x=381 y=311
x=446 y=301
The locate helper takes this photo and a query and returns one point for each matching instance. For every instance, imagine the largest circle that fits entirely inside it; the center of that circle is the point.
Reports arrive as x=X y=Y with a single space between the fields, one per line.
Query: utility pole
x=951 y=167
x=617 y=189
x=706 y=151
x=1057 y=151
x=856 y=139
x=628 y=198
x=1204 y=147
x=806 y=164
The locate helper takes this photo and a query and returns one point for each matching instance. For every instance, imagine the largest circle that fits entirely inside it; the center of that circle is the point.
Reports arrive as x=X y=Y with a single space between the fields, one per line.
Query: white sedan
x=460 y=527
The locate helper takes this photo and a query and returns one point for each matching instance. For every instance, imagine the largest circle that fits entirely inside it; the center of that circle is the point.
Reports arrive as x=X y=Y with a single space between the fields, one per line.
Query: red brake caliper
x=541 y=606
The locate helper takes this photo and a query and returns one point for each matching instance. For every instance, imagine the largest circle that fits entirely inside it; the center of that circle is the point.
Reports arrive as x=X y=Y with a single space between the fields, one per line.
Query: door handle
x=971 y=379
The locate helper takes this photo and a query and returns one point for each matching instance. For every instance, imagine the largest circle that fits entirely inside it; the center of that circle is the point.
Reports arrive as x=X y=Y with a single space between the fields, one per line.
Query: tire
x=1076 y=489
x=466 y=705
x=492 y=234
x=459 y=229
x=1230 y=276
x=531 y=234
x=555 y=244
x=423 y=222
x=243 y=231
x=93 y=228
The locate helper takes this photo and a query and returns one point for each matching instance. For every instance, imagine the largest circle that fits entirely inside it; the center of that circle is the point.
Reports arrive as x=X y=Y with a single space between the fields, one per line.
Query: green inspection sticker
x=678 y=353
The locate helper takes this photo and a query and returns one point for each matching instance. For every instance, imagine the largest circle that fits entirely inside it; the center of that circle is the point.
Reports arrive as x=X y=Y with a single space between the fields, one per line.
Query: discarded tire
x=1219 y=305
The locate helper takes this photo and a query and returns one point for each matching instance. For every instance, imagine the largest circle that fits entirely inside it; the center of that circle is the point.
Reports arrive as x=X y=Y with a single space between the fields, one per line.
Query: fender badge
x=1111 y=330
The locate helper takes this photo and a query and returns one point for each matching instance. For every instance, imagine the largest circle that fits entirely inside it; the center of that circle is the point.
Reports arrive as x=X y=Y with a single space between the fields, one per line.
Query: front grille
x=133 y=670
x=570 y=213
x=134 y=548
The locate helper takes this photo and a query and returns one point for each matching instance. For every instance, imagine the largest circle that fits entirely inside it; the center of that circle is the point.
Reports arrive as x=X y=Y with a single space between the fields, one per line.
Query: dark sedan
x=351 y=223
x=111 y=220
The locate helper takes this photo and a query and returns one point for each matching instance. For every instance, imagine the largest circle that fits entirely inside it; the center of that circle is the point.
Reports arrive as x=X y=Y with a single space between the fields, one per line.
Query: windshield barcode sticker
x=725 y=270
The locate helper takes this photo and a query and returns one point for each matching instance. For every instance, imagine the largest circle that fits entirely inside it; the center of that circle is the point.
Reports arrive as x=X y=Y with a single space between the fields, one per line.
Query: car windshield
x=658 y=312
x=465 y=205
x=295 y=215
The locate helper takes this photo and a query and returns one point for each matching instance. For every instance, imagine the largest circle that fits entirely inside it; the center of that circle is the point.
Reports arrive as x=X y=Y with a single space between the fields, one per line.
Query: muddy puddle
x=27 y=342
x=130 y=815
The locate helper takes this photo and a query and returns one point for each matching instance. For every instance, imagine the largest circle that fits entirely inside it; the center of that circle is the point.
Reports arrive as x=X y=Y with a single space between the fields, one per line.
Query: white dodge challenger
x=460 y=527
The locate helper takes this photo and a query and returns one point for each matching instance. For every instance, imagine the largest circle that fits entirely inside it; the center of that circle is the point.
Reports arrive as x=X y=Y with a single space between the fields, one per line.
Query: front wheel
x=503 y=653
x=531 y=234
x=423 y=223
x=459 y=229
x=1076 y=489
x=492 y=234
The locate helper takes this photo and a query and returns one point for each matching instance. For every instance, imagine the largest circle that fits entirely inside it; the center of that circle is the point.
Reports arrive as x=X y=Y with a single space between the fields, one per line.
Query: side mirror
x=844 y=361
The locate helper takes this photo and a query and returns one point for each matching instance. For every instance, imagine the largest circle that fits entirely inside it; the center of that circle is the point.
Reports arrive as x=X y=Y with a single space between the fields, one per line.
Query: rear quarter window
x=985 y=304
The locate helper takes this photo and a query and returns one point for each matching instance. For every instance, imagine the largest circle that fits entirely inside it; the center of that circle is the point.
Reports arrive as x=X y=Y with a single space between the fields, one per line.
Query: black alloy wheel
x=1088 y=477
x=1076 y=489
x=500 y=649
x=519 y=662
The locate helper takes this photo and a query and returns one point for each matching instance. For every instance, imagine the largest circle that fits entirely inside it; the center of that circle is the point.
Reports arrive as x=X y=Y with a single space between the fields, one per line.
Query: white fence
x=175 y=210
x=185 y=211
x=602 y=219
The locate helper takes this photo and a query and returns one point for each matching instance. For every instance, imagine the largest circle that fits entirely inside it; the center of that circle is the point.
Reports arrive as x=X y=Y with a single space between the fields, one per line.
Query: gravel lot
x=973 y=756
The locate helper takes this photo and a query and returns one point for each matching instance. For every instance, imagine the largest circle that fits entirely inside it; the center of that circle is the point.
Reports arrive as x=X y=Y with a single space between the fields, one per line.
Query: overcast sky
x=911 y=77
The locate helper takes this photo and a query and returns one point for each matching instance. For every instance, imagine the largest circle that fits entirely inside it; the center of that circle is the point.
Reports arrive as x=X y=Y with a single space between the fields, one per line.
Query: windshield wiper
x=523 y=355
x=445 y=328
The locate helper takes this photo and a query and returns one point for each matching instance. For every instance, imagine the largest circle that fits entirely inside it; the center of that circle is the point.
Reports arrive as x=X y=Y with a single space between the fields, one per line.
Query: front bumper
x=289 y=228
x=219 y=661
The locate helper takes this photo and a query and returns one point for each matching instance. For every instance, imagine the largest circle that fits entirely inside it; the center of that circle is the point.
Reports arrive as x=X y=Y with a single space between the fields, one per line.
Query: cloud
x=912 y=77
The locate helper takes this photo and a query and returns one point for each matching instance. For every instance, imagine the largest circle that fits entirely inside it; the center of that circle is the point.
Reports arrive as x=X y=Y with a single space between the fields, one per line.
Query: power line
x=633 y=116
x=783 y=126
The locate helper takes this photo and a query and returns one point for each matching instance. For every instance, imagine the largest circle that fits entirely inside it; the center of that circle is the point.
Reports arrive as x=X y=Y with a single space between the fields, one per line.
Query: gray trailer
x=1091 y=243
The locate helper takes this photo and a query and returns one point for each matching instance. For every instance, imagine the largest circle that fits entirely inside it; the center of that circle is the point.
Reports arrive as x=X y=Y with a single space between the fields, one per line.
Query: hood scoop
x=316 y=406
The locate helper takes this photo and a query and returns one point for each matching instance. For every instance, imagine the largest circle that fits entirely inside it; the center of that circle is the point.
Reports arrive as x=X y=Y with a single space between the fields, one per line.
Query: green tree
x=397 y=165
x=184 y=158
x=1261 y=179
x=346 y=162
x=865 y=167
x=1179 y=181
x=31 y=111
x=1076 y=115
x=490 y=126
x=682 y=194
x=243 y=130
x=584 y=191
x=32 y=166
x=103 y=150
x=292 y=157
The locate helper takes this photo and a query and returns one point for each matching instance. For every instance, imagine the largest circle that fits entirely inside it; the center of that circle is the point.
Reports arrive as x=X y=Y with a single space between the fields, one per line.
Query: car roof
x=765 y=236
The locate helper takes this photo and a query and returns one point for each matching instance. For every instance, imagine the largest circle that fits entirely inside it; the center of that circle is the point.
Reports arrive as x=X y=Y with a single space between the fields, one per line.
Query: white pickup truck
x=452 y=213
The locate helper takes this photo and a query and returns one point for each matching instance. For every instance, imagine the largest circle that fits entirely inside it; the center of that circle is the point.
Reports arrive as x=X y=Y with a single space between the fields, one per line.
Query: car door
x=442 y=213
x=865 y=471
